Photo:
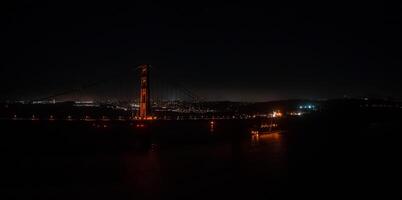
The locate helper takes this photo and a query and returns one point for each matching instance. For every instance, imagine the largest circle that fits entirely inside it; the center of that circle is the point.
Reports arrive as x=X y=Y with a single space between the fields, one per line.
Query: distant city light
x=307 y=107
x=295 y=113
x=277 y=114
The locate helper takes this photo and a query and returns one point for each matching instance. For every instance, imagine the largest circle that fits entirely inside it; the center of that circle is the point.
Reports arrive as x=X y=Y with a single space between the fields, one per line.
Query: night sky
x=238 y=52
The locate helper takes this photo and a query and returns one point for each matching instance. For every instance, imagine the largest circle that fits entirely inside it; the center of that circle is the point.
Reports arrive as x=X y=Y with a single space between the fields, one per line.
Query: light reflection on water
x=270 y=152
x=159 y=171
x=143 y=173
x=190 y=164
x=274 y=141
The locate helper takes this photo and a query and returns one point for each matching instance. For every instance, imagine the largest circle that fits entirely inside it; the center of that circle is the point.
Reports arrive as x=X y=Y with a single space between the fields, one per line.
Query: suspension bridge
x=155 y=98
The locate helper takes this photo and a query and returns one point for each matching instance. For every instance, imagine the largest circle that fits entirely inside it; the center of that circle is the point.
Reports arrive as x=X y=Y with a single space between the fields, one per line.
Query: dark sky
x=246 y=51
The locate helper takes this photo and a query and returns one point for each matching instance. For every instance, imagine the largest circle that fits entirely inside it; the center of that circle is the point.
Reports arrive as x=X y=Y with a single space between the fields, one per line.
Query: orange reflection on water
x=272 y=136
x=274 y=140
x=211 y=126
x=140 y=125
x=255 y=139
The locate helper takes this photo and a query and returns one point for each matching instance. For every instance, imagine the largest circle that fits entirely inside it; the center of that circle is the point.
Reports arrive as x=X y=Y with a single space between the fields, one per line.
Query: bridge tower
x=144 y=92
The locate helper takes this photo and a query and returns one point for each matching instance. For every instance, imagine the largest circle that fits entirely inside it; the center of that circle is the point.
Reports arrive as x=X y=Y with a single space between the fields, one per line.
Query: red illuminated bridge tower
x=144 y=92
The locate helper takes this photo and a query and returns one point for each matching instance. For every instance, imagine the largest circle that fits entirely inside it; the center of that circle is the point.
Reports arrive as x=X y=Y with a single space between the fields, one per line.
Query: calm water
x=223 y=163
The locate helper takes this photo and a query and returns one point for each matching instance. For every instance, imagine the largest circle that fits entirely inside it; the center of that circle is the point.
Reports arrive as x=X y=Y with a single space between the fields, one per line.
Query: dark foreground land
x=325 y=154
